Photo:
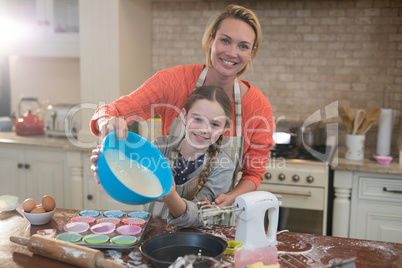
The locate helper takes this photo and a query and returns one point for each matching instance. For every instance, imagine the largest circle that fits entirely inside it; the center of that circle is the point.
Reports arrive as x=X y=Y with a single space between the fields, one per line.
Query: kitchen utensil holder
x=355 y=147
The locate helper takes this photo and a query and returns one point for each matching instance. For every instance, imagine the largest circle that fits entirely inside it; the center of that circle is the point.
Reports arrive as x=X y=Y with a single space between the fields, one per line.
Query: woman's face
x=232 y=47
x=204 y=122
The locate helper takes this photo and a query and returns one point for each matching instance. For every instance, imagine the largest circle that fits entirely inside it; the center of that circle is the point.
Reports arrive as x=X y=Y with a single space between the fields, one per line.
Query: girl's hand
x=169 y=194
x=205 y=204
x=110 y=124
x=94 y=160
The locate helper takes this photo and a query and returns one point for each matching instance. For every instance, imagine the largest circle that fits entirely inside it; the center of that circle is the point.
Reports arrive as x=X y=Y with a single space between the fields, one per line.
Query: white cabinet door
x=95 y=197
x=45 y=174
x=32 y=172
x=384 y=225
x=42 y=27
x=12 y=173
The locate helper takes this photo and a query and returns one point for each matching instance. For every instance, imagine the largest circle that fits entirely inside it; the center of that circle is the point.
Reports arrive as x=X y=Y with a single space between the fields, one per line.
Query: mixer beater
x=211 y=213
x=250 y=210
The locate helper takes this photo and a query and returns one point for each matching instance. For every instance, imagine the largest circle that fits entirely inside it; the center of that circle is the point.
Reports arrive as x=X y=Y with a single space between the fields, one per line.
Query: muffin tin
x=114 y=229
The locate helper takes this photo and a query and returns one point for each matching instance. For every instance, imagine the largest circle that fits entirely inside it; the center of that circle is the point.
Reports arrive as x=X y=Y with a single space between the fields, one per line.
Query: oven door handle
x=297 y=193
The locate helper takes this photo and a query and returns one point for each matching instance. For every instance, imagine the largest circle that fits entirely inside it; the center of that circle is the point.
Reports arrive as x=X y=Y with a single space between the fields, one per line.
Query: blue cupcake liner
x=138 y=214
x=89 y=213
x=113 y=213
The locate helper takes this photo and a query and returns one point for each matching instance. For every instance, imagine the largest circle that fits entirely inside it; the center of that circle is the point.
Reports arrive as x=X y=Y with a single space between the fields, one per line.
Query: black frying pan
x=163 y=250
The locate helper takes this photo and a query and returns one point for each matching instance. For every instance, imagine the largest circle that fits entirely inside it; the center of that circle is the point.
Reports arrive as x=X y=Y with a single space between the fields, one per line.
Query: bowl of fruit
x=39 y=214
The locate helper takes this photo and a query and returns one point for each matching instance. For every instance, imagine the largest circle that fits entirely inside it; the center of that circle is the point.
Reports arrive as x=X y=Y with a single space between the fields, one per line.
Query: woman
x=201 y=170
x=231 y=42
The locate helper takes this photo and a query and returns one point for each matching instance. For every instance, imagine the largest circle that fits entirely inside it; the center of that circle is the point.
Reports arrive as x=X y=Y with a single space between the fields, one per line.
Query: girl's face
x=205 y=122
x=232 y=47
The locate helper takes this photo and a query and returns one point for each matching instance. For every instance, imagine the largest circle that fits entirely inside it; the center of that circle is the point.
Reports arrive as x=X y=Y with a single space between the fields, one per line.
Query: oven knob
x=295 y=178
x=310 y=179
x=281 y=177
x=267 y=176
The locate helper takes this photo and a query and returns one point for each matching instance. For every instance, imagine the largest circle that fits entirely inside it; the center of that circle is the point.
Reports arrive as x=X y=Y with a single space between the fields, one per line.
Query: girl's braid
x=213 y=151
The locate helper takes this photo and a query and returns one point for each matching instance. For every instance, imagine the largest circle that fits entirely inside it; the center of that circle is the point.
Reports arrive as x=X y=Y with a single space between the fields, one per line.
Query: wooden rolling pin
x=65 y=252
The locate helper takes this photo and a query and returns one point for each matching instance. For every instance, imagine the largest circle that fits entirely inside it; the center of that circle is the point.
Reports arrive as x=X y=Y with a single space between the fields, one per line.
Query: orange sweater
x=172 y=87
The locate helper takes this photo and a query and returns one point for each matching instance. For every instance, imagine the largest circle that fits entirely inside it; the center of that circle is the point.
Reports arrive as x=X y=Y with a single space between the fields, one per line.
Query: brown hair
x=239 y=13
x=211 y=93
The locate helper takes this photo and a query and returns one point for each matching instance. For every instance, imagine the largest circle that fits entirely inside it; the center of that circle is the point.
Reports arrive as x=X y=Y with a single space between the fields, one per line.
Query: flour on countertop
x=226 y=233
x=134 y=261
x=323 y=253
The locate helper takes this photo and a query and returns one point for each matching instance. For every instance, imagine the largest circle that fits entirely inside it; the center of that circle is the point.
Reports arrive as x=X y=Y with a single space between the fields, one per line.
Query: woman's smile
x=228 y=62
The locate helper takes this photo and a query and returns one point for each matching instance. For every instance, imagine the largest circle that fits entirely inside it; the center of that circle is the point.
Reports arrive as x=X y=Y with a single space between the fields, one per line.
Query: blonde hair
x=239 y=13
x=211 y=93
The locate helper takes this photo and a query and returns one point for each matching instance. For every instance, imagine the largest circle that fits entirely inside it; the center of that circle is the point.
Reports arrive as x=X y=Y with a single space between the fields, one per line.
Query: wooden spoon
x=371 y=115
x=358 y=121
x=367 y=128
x=346 y=120
x=349 y=113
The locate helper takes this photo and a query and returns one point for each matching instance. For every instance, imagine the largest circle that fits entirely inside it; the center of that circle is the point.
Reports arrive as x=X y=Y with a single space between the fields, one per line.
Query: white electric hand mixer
x=250 y=210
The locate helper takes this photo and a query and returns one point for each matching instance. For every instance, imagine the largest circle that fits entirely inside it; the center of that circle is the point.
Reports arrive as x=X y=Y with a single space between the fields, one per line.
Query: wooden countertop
x=312 y=250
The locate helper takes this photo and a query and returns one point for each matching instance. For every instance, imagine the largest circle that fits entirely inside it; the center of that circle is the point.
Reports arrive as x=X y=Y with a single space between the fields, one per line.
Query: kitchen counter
x=45 y=141
x=368 y=165
x=312 y=250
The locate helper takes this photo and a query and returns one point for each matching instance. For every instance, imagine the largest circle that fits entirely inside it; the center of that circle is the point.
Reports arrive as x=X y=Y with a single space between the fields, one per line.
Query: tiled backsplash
x=313 y=52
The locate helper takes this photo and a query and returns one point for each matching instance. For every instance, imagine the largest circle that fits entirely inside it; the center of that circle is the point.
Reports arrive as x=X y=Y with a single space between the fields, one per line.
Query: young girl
x=201 y=171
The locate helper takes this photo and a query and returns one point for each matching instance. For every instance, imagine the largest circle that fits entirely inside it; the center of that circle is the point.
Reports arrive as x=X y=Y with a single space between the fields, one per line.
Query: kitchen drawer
x=297 y=197
x=380 y=189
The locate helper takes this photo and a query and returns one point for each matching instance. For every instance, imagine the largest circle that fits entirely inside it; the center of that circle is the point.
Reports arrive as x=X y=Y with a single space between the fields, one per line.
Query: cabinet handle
x=27 y=166
x=385 y=189
x=20 y=165
x=90 y=197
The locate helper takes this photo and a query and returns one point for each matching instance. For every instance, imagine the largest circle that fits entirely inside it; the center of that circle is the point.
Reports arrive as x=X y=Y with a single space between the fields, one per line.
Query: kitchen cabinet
x=28 y=171
x=367 y=206
x=376 y=211
x=95 y=197
x=49 y=27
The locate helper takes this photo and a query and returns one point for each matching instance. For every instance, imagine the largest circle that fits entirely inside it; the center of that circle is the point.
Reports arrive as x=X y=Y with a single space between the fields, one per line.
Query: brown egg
x=28 y=205
x=48 y=203
x=38 y=209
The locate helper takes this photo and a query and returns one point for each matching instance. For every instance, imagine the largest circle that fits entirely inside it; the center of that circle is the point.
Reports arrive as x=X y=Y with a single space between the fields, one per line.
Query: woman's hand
x=110 y=124
x=224 y=200
x=94 y=160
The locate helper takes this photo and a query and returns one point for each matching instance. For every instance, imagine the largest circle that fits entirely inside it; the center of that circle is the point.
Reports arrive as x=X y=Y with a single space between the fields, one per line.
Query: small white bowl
x=39 y=218
x=383 y=160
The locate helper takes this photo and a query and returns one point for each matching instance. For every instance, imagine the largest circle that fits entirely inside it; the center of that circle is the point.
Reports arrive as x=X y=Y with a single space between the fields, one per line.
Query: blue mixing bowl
x=139 y=150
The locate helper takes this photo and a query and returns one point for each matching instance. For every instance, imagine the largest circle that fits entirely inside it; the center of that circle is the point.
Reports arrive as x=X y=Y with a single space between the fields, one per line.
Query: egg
x=48 y=203
x=38 y=209
x=28 y=205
